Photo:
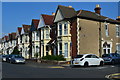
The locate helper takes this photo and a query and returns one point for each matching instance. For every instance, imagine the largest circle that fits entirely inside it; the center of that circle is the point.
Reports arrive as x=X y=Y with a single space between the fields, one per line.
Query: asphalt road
x=32 y=70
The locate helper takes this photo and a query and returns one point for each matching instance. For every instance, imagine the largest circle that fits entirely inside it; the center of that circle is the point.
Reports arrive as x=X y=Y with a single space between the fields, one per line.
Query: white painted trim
x=41 y=22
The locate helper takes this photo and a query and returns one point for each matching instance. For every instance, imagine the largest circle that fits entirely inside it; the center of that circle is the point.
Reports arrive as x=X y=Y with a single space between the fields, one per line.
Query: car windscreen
x=79 y=56
x=17 y=56
x=106 y=55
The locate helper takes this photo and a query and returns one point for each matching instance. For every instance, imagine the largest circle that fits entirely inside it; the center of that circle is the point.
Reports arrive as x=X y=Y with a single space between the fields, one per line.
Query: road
x=31 y=70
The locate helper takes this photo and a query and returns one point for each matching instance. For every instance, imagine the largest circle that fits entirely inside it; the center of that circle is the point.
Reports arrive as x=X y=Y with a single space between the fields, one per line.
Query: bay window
x=60 y=29
x=65 y=29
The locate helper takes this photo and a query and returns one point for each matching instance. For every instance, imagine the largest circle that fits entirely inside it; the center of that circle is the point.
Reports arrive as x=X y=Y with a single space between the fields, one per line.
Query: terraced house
x=11 y=42
x=85 y=32
x=19 y=39
x=68 y=32
x=34 y=38
x=4 y=45
x=25 y=40
x=45 y=24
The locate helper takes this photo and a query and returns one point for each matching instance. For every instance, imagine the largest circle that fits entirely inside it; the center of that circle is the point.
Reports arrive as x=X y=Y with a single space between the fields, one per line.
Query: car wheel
x=86 y=64
x=112 y=62
x=101 y=63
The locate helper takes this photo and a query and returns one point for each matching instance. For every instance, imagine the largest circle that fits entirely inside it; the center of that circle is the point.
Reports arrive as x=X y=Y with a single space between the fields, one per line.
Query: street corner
x=115 y=76
x=55 y=67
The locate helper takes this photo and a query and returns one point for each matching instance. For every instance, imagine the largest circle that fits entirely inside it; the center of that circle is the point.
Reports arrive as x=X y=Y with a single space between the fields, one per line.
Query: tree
x=16 y=51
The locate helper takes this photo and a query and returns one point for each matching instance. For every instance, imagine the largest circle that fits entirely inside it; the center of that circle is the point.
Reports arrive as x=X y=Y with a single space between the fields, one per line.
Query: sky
x=14 y=14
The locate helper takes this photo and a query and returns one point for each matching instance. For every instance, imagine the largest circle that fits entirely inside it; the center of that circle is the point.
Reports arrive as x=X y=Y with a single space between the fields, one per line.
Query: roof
x=34 y=24
x=19 y=29
x=48 y=19
x=94 y=16
x=26 y=28
x=13 y=35
x=67 y=12
x=6 y=38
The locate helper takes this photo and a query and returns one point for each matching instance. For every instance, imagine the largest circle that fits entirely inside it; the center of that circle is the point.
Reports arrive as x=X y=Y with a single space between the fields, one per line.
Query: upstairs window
x=37 y=35
x=47 y=33
x=117 y=31
x=60 y=29
x=106 y=30
x=65 y=29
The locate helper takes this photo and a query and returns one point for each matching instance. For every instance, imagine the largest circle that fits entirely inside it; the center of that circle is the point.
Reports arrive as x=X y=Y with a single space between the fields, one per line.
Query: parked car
x=4 y=58
x=17 y=59
x=87 y=60
x=112 y=58
x=8 y=57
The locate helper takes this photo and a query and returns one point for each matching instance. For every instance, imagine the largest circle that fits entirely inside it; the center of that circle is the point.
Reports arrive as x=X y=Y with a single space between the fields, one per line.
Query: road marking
x=56 y=67
x=112 y=66
x=113 y=76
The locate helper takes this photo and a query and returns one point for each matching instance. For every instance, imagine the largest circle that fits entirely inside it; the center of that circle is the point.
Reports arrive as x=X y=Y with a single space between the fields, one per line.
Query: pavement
x=46 y=65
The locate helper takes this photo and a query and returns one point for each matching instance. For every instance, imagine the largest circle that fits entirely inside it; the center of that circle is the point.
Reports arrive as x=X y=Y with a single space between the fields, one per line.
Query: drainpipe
x=100 y=38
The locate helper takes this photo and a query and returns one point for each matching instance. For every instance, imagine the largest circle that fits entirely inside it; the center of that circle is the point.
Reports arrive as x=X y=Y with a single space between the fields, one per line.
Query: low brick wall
x=48 y=61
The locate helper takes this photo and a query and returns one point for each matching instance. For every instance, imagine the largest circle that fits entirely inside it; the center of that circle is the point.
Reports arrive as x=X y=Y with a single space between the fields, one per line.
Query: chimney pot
x=118 y=18
x=53 y=13
x=70 y=6
x=97 y=9
x=97 y=5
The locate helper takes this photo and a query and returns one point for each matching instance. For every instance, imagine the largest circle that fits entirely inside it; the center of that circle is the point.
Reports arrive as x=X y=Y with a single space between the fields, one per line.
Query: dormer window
x=106 y=30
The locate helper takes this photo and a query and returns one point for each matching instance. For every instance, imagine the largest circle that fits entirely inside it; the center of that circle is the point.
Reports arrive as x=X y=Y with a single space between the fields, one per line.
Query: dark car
x=4 y=58
x=8 y=57
x=17 y=59
x=112 y=58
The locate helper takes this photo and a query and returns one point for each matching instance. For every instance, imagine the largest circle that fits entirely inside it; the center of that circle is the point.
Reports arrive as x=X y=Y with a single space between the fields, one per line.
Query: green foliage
x=53 y=57
x=16 y=51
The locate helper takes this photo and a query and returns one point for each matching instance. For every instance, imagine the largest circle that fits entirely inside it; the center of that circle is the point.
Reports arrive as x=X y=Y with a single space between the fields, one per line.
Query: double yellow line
x=56 y=67
x=113 y=76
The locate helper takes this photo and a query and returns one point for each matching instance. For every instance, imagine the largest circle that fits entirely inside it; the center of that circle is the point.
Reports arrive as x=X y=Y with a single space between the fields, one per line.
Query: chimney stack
x=97 y=9
x=118 y=18
x=53 y=13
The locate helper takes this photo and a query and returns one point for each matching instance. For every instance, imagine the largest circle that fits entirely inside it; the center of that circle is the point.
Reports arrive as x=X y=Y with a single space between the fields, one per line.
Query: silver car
x=17 y=59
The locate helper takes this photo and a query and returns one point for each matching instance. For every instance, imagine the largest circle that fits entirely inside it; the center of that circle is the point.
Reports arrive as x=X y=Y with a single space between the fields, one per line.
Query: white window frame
x=42 y=33
x=107 y=48
x=117 y=31
x=118 y=48
x=59 y=51
x=65 y=30
x=47 y=34
x=37 y=35
x=106 y=30
x=59 y=30
x=66 y=50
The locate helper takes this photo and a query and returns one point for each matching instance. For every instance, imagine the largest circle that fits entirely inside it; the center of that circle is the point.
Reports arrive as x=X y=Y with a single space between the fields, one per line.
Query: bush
x=52 y=57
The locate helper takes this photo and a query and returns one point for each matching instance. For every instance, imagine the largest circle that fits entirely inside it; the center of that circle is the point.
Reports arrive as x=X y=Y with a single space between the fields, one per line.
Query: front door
x=106 y=48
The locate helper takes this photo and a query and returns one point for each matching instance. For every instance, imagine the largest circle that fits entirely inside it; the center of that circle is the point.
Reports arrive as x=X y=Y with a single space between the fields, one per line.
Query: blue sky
x=14 y=14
